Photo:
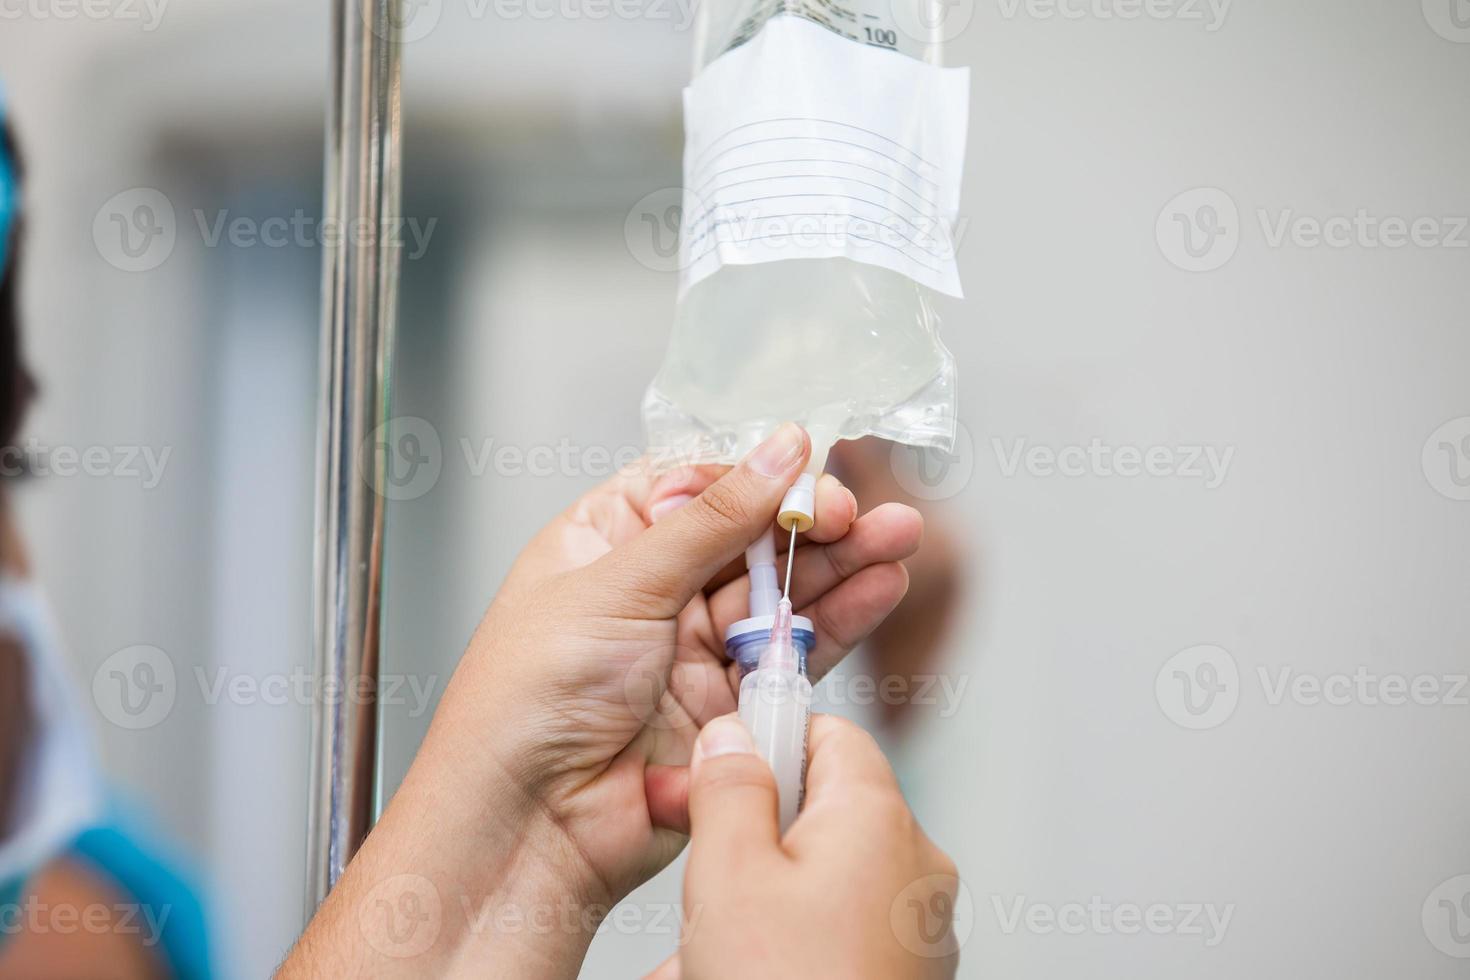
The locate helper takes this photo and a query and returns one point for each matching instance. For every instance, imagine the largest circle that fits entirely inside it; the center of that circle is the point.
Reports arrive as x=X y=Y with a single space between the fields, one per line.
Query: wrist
x=464 y=869
x=475 y=801
x=526 y=927
x=385 y=922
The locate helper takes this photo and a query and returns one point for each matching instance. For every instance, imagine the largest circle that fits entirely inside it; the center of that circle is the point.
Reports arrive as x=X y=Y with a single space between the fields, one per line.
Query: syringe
x=775 y=704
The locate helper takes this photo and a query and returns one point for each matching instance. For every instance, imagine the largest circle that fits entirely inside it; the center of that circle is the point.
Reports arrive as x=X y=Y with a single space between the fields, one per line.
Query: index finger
x=836 y=506
x=850 y=789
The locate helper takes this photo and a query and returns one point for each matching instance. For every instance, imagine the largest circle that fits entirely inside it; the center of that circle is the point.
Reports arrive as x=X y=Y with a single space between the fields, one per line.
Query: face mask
x=57 y=790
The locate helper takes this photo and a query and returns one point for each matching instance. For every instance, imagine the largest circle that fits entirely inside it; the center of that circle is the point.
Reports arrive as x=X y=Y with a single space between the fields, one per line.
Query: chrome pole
x=359 y=296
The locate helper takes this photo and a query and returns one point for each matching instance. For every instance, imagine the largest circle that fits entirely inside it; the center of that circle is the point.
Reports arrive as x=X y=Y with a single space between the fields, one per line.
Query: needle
x=790 y=555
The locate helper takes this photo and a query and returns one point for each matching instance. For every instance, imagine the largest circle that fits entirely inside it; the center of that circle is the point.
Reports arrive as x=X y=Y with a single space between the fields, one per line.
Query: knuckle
x=942 y=864
x=832 y=725
x=829 y=625
x=724 y=505
x=892 y=810
x=634 y=584
x=735 y=773
x=840 y=568
x=843 y=739
x=857 y=742
x=611 y=585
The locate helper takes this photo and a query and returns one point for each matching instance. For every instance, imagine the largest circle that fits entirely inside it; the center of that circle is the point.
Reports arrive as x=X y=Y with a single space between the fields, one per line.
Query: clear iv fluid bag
x=847 y=348
x=844 y=349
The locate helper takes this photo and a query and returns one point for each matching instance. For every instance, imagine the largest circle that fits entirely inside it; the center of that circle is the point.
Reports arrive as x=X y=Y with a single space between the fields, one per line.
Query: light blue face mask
x=59 y=792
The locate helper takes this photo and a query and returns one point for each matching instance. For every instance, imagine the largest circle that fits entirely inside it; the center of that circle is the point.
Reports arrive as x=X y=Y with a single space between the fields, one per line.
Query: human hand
x=614 y=628
x=836 y=896
x=553 y=770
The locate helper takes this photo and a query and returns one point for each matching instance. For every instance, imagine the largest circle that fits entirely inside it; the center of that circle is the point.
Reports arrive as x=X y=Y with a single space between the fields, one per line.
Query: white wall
x=1322 y=829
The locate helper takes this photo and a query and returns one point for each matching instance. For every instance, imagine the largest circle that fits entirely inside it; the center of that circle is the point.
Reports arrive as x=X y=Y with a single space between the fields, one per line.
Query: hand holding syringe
x=776 y=697
x=776 y=704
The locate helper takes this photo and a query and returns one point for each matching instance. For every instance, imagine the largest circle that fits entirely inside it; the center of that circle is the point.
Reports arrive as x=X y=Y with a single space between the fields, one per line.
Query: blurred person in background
x=82 y=897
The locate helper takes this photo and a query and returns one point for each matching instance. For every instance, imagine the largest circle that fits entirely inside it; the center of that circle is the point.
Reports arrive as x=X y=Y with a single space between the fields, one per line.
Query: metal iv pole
x=359 y=299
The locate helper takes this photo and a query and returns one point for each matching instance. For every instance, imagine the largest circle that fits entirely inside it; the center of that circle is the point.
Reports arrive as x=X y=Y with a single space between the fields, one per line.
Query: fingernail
x=780 y=452
x=668 y=505
x=852 y=499
x=725 y=735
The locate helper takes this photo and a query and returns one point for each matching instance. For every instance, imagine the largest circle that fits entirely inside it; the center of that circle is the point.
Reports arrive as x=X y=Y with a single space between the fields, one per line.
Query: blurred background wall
x=1121 y=726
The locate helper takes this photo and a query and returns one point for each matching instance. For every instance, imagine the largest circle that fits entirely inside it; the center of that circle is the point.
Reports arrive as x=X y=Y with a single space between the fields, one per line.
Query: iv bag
x=824 y=147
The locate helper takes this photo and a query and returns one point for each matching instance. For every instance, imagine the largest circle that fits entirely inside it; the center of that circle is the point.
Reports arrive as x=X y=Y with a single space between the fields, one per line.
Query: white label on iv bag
x=802 y=144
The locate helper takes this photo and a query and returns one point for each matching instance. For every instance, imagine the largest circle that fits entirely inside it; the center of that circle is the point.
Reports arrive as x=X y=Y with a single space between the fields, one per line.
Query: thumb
x=665 y=566
x=732 y=797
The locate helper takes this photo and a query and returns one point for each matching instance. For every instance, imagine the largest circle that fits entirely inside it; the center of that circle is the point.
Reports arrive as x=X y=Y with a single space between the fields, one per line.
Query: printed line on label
x=925 y=207
x=824 y=160
x=850 y=236
x=804 y=120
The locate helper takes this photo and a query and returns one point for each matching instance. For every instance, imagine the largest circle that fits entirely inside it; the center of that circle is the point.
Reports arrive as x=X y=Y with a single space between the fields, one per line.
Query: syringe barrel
x=776 y=707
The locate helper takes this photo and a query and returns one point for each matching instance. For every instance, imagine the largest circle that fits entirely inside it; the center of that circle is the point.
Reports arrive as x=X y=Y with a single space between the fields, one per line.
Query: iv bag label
x=802 y=144
x=909 y=26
